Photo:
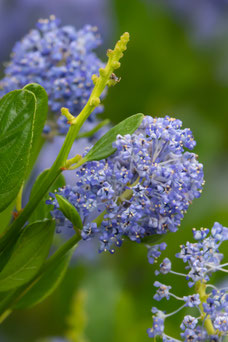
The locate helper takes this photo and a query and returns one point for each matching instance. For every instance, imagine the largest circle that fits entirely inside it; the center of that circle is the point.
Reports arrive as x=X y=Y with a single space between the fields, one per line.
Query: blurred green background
x=170 y=67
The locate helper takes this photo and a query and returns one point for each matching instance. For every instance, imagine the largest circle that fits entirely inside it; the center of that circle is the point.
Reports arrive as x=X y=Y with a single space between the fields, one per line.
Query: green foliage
x=39 y=120
x=43 y=210
x=28 y=255
x=103 y=148
x=46 y=284
x=5 y=216
x=69 y=212
x=17 y=112
x=22 y=117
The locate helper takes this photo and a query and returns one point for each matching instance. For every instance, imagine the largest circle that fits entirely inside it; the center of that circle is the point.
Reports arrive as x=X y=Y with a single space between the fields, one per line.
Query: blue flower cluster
x=61 y=59
x=143 y=189
x=203 y=258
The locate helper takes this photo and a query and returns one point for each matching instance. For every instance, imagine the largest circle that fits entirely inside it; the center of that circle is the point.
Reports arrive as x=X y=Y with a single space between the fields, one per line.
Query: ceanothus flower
x=210 y=304
x=144 y=188
x=154 y=251
x=162 y=291
x=192 y=300
x=203 y=257
x=158 y=325
x=189 y=322
x=165 y=267
x=62 y=60
x=221 y=322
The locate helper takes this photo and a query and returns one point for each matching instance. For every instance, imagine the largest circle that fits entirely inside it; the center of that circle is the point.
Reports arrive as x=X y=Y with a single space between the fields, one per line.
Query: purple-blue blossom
x=210 y=322
x=189 y=322
x=203 y=257
x=143 y=189
x=162 y=291
x=62 y=60
x=221 y=322
x=158 y=325
x=192 y=300
x=165 y=267
x=18 y=17
x=154 y=251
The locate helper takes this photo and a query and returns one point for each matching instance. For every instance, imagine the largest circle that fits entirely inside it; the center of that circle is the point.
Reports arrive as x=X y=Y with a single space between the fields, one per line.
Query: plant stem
x=5 y=315
x=201 y=290
x=19 y=199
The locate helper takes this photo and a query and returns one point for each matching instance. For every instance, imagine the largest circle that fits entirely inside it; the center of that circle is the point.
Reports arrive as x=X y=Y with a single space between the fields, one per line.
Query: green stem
x=201 y=290
x=19 y=199
x=5 y=315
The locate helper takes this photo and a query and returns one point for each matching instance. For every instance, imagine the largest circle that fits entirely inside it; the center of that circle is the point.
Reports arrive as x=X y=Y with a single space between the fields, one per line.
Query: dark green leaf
x=103 y=148
x=16 y=124
x=5 y=300
x=69 y=211
x=43 y=210
x=39 y=120
x=6 y=216
x=5 y=256
x=28 y=255
x=46 y=284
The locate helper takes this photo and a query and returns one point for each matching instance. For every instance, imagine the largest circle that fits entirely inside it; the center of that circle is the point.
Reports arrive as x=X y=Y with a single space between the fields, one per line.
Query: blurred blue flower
x=18 y=16
x=59 y=58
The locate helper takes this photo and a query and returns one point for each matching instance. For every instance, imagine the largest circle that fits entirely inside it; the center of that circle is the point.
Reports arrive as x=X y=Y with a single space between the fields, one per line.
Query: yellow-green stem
x=5 y=315
x=201 y=290
x=19 y=199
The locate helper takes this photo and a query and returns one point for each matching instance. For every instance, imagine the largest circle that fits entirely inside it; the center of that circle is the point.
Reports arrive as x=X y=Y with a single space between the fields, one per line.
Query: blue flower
x=189 y=322
x=158 y=325
x=145 y=187
x=89 y=230
x=190 y=335
x=165 y=267
x=59 y=58
x=217 y=301
x=154 y=251
x=221 y=322
x=192 y=300
x=162 y=291
x=202 y=258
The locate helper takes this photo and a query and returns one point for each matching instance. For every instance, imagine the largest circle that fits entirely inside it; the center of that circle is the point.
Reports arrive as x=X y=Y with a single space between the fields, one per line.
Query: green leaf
x=43 y=210
x=28 y=255
x=39 y=121
x=103 y=148
x=6 y=216
x=46 y=284
x=69 y=211
x=16 y=124
x=5 y=256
